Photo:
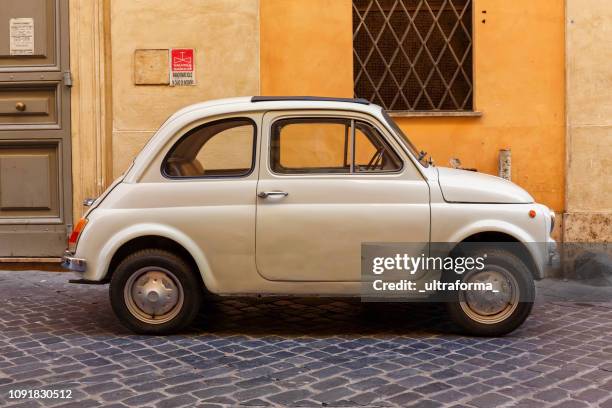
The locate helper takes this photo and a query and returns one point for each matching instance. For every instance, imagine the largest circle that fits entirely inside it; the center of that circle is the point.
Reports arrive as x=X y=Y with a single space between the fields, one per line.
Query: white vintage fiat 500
x=276 y=195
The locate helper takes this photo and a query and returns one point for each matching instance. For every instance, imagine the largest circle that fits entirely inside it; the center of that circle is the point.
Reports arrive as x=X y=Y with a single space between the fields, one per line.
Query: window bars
x=413 y=55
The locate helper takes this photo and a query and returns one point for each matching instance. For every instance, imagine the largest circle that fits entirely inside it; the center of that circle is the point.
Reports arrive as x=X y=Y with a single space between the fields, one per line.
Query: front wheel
x=155 y=292
x=496 y=312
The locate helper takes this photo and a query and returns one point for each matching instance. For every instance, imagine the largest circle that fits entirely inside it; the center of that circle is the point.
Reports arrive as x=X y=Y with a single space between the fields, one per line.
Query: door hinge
x=68 y=79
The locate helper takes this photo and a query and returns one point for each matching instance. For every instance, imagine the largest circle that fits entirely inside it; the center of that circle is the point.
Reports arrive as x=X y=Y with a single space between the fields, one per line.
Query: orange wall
x=306 y=49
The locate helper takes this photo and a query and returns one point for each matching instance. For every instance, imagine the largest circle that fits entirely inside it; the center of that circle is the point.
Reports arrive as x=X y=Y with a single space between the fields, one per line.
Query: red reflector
x=532 y=213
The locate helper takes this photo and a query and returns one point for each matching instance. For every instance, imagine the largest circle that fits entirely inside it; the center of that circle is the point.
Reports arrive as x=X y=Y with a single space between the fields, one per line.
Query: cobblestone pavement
x=303 y=352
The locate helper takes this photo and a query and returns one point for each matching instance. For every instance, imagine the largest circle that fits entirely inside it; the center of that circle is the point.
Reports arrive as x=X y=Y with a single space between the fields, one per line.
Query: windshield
x=420 y=156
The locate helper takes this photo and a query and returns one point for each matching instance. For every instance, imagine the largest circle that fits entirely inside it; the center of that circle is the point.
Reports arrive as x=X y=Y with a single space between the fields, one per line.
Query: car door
x=320 y=196
x=207 y=190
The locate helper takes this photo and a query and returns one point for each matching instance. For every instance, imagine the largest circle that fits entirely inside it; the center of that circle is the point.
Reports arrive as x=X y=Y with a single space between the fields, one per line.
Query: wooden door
x=35 y=169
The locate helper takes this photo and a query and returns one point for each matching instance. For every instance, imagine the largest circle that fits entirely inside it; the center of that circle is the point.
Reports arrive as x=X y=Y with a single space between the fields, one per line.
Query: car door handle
x=266 y=194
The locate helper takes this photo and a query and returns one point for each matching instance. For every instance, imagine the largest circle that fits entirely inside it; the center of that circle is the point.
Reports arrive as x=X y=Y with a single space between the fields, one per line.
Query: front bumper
x=72 y=263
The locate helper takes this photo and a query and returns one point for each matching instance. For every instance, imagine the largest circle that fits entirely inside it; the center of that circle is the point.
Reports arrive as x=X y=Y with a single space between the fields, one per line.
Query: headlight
x=552 y=221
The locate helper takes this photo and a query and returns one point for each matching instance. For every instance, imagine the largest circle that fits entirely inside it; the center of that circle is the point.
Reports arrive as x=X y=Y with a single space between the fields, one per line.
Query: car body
x=281 y=225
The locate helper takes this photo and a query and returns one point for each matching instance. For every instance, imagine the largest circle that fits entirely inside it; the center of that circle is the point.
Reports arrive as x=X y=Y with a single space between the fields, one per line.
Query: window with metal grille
x=414 y=55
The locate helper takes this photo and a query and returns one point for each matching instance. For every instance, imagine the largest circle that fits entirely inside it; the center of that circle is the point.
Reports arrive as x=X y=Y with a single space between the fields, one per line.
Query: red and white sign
x=182 y=66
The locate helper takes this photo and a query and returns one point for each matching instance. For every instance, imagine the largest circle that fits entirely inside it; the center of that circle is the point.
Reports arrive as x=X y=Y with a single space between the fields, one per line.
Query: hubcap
x=153 y=295
x=490 y=306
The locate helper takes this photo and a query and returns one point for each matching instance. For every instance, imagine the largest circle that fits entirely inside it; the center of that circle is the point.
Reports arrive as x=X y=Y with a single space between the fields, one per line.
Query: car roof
x=258 y=103
x=256 y=99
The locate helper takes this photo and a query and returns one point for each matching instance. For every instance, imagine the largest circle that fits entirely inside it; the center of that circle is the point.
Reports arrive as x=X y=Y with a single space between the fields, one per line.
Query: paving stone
x=142 y=399
x=405 y=399
x=449 y=396
x=215 y=391
x=551 y=395
x=571 y=404
x=253 y=393
x=365 y=398
x=289 y=397
x=425 y=404
x=528 y=403
x=592 y=395
x=333 y=395
x=117 y=395
x=489 y=400
x=368 y=384
x=101 y=387
x=415 y=381
x=255 y=403
x=330 y=383
x=432 y=388
x=476 y=389
x=185 y=388
x=178 y=401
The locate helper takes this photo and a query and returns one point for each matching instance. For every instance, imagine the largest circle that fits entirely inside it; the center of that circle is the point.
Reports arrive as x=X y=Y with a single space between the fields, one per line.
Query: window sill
x=413 y=114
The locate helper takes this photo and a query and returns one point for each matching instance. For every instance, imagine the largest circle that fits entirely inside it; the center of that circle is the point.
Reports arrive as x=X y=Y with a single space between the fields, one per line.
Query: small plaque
x=151 y=67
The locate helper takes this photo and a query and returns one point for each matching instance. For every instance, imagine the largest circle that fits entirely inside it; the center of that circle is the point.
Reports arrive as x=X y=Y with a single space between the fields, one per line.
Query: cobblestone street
x=302 y=352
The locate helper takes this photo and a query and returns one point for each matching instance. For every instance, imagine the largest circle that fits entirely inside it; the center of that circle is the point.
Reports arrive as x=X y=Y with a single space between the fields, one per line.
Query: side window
x=372 y=154
x=223 y=148
x=302 y=146
x=310 y=146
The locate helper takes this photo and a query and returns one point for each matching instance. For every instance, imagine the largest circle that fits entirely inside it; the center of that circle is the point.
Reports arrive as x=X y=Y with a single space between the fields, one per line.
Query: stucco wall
x=225 y=34
x=518 y=70
x=306 y=47
x=589 y=120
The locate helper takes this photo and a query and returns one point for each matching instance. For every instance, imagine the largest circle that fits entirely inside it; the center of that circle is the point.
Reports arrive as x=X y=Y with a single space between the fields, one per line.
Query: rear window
x=224 y=148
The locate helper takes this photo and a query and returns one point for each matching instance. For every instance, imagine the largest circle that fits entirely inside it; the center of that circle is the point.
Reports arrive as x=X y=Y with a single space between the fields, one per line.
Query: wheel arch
x=526 y=251
x=139 y=237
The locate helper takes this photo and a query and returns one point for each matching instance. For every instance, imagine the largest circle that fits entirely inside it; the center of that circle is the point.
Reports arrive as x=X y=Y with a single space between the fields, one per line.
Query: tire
x=153 y=291
x=503 y=266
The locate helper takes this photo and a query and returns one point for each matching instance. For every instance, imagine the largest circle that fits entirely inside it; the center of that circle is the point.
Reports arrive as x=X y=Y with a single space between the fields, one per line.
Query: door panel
x=43 y=23
x=316 y=231
x=29 y=182
x=27 y=103
x=35 y=170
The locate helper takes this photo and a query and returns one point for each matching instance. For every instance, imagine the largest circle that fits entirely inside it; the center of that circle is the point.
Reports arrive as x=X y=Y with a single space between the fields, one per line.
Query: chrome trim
x=72 y=263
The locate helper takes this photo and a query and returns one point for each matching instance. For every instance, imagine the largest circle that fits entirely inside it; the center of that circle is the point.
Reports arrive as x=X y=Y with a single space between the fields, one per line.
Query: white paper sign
x=21 y=31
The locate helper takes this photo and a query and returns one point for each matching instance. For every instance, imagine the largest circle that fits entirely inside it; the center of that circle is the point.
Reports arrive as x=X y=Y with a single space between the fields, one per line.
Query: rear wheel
x=497 y=312
x=155 y=292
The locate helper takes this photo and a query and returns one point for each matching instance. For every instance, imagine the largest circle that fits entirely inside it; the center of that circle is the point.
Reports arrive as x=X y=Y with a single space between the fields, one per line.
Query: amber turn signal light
x=76 y=232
